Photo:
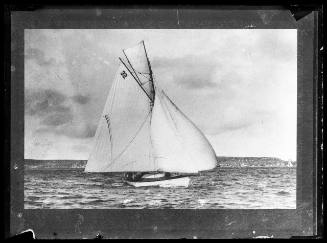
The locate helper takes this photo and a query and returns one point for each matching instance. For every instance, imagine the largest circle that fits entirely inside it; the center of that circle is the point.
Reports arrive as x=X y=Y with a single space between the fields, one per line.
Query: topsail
x=141 y=129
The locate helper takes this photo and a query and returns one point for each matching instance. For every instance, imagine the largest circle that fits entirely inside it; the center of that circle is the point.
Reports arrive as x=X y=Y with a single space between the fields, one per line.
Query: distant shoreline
x=223 y=162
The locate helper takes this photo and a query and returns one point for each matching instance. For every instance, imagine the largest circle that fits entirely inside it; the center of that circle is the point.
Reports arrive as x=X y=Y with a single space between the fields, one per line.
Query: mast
x=150 y=74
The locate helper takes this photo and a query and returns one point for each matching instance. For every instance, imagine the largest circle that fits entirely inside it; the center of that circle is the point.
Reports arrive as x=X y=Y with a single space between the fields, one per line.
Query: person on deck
x=167 y=174
x=130 y=176
x=139 y=175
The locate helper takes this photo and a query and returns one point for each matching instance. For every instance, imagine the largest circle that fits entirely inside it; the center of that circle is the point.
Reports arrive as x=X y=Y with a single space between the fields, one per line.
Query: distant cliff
x=31 y=164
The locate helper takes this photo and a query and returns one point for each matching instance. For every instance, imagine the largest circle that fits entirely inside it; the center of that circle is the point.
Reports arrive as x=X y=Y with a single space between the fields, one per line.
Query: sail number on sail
x=107 y=119
x=123 y=74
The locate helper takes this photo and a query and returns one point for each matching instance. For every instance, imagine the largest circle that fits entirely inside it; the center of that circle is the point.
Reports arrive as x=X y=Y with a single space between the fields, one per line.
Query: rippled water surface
x=241 y=188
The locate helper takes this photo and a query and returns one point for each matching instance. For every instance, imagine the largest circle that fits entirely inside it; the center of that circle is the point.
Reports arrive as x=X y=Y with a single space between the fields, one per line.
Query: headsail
x=178 y=145
x=122 y=140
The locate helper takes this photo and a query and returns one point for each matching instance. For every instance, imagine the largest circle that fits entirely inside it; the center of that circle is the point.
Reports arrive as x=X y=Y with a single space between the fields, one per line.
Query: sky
x=237 y=85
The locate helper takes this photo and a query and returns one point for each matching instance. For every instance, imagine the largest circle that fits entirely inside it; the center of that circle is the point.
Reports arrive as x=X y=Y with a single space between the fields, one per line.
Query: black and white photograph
x=160 y=118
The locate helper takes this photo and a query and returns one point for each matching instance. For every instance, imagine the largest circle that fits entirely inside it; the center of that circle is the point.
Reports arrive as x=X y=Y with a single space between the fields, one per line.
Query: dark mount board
x=168 y=223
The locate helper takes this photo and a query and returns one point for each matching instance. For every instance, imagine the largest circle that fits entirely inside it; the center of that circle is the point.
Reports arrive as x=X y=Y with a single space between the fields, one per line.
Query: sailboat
x=289 y=163
x=143 y=134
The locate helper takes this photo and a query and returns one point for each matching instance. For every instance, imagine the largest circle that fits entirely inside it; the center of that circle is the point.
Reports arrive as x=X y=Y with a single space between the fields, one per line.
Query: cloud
x=56 y=113
x=44 y=101
x=86 y=64
x=194 y=81
x=78 y=131
x=191 y=71
x=235 y=126
x=38 y=56
x=241 y=122
x=233 y=116
x=218 y=78
x=51 y=108
x=57 y=119
x=71 y=130
x=81 y=99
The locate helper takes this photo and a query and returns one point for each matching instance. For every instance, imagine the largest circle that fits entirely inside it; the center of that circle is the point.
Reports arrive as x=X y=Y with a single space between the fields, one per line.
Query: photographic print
x=160 y=118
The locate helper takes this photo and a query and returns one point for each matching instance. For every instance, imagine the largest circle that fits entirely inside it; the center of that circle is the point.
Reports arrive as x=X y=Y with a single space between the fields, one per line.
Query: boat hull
x=173 y=182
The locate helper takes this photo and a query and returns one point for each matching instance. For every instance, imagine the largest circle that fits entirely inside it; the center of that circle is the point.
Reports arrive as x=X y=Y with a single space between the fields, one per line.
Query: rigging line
x=135 y=79
x=132 y=68
x=152 y=90
x=126 y=147
x=143 y=75
x=175 y=106
x=166 y=109
x=146 y=82
x=149 y=64
x=151 y=151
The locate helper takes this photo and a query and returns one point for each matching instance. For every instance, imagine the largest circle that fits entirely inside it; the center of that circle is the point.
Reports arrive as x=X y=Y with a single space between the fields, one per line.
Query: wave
x=283 y=193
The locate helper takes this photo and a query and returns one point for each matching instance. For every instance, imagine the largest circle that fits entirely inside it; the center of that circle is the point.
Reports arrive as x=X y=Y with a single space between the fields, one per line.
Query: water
x=232 y=188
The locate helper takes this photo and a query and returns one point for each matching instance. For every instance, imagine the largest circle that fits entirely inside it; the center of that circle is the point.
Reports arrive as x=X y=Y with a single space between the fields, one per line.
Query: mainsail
x=141 y=129
x=122 y=140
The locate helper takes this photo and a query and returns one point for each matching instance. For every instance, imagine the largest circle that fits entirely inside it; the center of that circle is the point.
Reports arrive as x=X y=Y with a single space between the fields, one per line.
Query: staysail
x=178 y=145
x=141 y=129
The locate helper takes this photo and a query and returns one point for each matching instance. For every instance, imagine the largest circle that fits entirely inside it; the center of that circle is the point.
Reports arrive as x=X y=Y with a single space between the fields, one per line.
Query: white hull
x=178 y=182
